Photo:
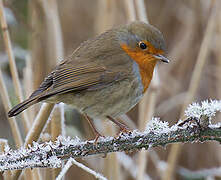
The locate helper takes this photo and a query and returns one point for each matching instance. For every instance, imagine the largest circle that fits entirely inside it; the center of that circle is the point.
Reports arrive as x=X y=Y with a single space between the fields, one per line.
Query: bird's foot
x=123 y=127
x=97 y=136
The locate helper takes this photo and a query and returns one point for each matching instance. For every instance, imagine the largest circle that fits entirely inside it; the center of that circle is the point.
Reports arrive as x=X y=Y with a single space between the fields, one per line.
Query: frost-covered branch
x=157 y=133
x=51 y=154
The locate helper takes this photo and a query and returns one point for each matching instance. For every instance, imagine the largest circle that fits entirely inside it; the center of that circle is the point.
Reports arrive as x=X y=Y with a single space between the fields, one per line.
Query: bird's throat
x=146 y=64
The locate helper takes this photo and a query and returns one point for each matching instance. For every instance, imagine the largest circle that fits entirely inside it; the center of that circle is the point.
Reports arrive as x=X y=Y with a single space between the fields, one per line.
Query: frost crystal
x=207 y=108
x=6 y=148
x=54 y=162
x=157 y=127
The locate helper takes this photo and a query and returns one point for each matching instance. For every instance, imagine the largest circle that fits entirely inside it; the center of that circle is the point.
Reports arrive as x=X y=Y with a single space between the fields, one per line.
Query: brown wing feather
x=67 y=78
x=87 y=79
x=68 y=74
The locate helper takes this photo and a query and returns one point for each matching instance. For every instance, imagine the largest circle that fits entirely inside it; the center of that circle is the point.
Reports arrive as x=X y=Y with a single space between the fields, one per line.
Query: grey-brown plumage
x=99 y=78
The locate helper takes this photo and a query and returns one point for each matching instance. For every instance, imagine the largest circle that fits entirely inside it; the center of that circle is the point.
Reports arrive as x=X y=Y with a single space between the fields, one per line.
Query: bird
x=105 y=76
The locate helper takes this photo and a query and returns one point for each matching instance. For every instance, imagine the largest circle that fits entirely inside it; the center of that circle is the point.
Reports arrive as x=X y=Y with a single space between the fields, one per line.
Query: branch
x=197 y=127
x=157 y=133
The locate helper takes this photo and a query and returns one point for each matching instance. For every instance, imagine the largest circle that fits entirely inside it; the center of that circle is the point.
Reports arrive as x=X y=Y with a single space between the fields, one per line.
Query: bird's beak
x=162 y=58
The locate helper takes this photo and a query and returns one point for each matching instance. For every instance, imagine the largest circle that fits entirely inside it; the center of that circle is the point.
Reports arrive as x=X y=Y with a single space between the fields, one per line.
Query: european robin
x=105 y=76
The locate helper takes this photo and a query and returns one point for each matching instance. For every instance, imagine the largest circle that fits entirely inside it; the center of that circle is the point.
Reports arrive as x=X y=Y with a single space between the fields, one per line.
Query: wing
x=70 y=76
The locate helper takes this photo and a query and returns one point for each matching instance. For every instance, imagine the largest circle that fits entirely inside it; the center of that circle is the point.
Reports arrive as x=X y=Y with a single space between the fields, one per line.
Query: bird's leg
x=90 y=121
x=123 y=127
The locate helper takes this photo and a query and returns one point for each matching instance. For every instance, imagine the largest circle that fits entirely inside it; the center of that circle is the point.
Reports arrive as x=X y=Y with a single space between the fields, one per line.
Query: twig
x=130 y=165
x=85 y=168
x=141 y=11
x=39 y=123
x=54 y=29
x=128 y=121
x=13 y=68
x=199 y=174
x=130 y=10
x=201 y=59
x=7 y=105
x=52 y=154
x=28 y=86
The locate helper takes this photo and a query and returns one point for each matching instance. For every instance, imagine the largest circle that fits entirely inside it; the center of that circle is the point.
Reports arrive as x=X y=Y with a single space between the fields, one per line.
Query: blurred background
x=44 y=31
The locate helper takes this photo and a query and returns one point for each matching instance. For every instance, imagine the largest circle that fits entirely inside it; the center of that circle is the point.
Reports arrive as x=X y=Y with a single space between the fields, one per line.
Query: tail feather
x=22 y=106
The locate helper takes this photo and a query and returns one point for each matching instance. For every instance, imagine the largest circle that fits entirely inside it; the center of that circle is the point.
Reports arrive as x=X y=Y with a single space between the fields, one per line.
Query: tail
x=22 y=106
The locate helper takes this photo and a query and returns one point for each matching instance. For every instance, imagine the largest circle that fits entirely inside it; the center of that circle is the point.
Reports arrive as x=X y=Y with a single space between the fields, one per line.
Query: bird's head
x=144 y=43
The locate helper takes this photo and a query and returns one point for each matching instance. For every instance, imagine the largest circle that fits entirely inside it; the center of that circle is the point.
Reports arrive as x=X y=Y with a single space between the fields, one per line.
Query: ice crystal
x=54 y=162
x=207 y=108
x=157 y=127
x=6 y=148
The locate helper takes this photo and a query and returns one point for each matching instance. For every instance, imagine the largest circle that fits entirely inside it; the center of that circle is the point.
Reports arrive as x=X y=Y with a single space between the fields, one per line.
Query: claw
x=97 y=136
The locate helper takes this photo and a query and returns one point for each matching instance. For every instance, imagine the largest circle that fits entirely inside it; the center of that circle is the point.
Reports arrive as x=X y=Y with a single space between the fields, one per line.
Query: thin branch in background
x=128 y=164
x=18 y=15
x=157 y=162
x=39 y=123
x=85 y=168
x=130 y=10
x=141 y=11
x=200 y=174
x=201 y=59
x=64 y=169
x=12 y=121
x=128 y=121
x=28 y=87
x=12 y=64
x=62 y=109
x=7 y=105
x=54 y=29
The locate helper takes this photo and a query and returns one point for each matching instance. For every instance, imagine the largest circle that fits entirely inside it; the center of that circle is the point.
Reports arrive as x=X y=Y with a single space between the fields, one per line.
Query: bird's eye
x=142 y=45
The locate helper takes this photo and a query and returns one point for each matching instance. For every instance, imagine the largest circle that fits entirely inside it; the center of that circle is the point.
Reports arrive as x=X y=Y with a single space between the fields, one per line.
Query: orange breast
x=145 y=61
